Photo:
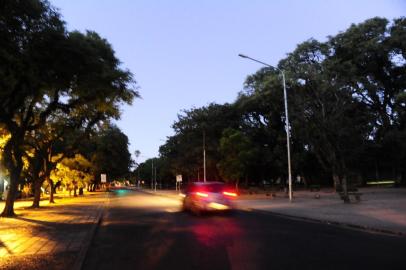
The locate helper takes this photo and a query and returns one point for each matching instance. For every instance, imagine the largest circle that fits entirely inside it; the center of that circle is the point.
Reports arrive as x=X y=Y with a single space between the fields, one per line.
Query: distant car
x=208 y=196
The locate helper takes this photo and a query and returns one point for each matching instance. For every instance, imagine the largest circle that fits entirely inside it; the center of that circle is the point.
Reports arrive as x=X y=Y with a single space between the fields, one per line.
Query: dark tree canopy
x=110 y=154
x=46 y=71
x=346 y=101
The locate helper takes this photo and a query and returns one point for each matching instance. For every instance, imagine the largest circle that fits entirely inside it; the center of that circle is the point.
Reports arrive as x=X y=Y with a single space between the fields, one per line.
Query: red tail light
x=231 y=194
x=201 y=194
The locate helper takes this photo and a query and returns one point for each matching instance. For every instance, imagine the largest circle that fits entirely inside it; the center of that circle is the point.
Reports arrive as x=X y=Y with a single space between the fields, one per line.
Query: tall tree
x=74 y=172
x=45 y=70
x=369 y=59
x=110 y=154
x=261 y=109
x=332 y=123
x=195 y=129
x=237 y=153
x=347 y=105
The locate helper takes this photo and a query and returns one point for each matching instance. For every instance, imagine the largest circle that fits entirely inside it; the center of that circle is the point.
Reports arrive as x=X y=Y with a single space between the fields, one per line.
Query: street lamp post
x=286 y=119
x=155 y=179
x=138 y=178
x=152 y=174
x=204 y=156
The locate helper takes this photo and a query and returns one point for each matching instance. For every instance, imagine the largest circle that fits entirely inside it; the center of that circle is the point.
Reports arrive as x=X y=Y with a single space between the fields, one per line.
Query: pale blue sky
x=184 y=53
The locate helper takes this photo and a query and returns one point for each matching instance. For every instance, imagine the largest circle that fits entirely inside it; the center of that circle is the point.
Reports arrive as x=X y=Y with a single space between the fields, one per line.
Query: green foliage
x=48 y=73
x=184 y=150
x=347 y=107
x=324 y=115
x=110 y=154
x=237 y=153
x=75 y=171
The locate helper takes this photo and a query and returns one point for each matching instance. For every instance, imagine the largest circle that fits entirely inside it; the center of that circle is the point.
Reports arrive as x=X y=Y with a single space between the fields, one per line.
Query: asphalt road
x=142 y=231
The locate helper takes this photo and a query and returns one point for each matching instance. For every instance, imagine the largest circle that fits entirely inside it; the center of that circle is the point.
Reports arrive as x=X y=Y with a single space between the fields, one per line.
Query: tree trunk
x=345 y=190
x=8 y=210
x=51 y=191
x=344 y=183
x=341 y=187
x=12 y=159
x=336 y=180
x=37 y=194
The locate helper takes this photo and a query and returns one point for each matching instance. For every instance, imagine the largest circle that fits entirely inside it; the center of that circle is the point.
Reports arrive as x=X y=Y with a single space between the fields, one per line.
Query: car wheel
x=196 y=210
x=186 y=205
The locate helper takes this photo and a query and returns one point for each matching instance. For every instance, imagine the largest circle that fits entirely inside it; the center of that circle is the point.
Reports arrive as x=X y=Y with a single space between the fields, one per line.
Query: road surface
x=143 y=231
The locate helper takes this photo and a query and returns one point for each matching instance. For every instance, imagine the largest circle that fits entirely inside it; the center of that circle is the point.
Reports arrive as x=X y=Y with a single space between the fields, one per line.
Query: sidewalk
x=53 y=234
x=381 y=209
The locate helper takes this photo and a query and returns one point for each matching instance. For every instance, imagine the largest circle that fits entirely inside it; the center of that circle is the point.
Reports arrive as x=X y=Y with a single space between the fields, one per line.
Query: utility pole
x=138 y=178
x=204 y=156
x=155 y=178
x=287 y=135
x=152 y=174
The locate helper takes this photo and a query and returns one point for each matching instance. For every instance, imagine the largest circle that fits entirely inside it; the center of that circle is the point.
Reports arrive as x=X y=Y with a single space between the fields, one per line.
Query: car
x=208 y=197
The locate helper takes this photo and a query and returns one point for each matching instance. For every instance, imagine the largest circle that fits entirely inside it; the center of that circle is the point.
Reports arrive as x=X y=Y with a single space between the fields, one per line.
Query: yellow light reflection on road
x=218 y=206
x=202 y=194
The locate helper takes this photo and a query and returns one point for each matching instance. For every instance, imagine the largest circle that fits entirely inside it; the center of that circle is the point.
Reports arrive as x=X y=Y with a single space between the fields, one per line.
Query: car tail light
x=231 y=194
x=201 y=194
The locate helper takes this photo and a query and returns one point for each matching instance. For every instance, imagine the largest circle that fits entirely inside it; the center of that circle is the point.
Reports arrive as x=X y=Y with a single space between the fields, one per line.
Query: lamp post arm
x=263 y=63
x=255 y=60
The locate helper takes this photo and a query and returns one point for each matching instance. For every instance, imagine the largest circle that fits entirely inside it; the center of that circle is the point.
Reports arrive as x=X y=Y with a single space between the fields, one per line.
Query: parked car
x=208 y=196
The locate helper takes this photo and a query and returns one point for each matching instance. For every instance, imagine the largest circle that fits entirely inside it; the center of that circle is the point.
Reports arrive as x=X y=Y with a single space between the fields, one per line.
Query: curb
x=329 y=222
x=80 y=259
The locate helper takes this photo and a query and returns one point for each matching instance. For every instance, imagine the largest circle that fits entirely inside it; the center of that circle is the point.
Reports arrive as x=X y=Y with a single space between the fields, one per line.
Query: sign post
x=103 y=178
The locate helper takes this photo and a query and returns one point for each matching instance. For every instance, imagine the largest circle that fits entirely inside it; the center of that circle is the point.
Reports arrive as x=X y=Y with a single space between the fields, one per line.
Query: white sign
x=179 y=178
x=103 y=178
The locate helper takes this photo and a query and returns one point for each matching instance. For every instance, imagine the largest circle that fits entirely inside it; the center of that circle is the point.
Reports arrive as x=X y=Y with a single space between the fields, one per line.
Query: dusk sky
x=184 y=54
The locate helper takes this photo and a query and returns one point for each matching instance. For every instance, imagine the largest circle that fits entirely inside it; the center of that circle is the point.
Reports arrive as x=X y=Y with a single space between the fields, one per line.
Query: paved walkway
x=380 y=209
x=52 y=229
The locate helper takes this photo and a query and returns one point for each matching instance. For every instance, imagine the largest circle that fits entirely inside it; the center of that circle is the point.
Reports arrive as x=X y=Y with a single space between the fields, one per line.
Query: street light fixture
x=286 y=118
